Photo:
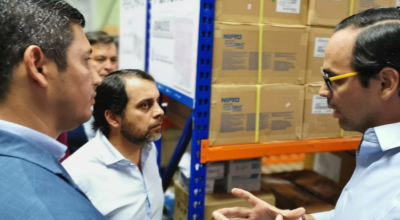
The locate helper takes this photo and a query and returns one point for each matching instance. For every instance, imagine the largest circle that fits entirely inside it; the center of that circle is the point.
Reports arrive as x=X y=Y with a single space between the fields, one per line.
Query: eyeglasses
x=328 y=80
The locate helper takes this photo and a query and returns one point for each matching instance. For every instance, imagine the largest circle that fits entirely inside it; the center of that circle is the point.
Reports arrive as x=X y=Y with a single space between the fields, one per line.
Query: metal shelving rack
x=197 y=126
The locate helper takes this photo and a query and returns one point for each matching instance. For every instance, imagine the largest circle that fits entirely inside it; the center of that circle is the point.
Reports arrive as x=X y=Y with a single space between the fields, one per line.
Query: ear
x=113 y=120
x=34 y=61
x=389 y=78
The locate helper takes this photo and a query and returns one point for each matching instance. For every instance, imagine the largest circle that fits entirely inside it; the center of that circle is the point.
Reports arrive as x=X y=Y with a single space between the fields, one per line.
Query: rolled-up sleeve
x=324 y=215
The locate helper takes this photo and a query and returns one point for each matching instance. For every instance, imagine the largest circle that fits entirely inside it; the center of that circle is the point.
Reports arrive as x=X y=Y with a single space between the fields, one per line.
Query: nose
x=324 y=91
x=159 y=112
x=108 y=66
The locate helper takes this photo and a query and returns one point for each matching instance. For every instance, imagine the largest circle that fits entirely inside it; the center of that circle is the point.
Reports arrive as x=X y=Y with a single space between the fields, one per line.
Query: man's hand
x=260 y=211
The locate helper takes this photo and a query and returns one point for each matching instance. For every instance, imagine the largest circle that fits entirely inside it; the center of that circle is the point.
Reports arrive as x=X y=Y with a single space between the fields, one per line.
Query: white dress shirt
x=114 y=185
x=373 y=192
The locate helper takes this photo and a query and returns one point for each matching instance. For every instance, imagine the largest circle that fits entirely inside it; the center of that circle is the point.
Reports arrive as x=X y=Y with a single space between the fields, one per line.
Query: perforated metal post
x=148 y=26
x=201 y=111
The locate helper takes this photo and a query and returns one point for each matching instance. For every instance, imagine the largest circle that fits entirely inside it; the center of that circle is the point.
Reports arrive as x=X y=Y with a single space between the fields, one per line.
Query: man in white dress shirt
x=117 y=170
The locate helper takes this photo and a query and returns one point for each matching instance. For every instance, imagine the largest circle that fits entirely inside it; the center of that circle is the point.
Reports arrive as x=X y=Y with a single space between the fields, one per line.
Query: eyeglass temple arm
x=342 y=76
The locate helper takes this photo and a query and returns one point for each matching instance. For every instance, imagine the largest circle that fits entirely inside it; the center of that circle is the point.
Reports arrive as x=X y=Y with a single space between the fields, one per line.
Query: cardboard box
x=289 y=196
x=318 y=119
x=184 y=181
x=178 y=113
x=362 y=5
x=233 y=110
x=244 y=166
x=232 y=114
x=236 y=47
x=213 y=202
x=331 y=13
x=279 y=12
x=318 y=39
x=337 y=166
x=246 y=181
x=281 y=112
x=215 y=171
x=352 y=134
x=235 y=53
x=314 y=183
x=284 y=54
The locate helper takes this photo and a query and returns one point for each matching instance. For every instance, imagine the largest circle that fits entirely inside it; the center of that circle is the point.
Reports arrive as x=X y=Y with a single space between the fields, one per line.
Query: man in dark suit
x=104 y=60
x=46 y=87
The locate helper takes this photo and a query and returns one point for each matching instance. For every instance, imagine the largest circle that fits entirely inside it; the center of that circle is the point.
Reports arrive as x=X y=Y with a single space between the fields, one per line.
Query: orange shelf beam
x=244 y=151
x=286 y=158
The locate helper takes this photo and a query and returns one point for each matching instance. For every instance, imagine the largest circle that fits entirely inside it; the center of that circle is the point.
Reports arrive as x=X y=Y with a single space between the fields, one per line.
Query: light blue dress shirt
x=114 y=185
x=54 y=147
x=373 y=192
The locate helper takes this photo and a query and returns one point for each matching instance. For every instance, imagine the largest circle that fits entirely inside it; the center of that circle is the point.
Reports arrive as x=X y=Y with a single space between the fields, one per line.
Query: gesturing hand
x=260 y=211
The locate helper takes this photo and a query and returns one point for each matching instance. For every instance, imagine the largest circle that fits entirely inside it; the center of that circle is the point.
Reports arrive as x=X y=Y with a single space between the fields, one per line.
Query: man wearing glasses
x=361 y=72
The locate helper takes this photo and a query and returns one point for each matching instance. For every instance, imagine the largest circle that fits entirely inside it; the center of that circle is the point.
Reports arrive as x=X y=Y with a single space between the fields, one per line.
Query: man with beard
x=117 y=170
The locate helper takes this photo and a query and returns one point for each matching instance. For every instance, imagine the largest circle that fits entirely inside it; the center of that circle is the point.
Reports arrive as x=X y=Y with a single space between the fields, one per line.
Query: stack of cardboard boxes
x=266 y=74
x=259 y=64
x=267 y=60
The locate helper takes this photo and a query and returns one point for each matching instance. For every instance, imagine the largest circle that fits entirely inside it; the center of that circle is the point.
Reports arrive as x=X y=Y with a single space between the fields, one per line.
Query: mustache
x=156 y=124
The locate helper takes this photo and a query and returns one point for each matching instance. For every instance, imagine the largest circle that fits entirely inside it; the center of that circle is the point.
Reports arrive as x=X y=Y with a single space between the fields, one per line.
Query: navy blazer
x=35 y=186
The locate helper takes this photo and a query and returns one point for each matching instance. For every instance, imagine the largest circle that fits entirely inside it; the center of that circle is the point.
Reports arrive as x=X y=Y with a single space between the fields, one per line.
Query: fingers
x=293 y=214
x=246 y=196
x=279 y=217
x=219 y=216
x=235 y=212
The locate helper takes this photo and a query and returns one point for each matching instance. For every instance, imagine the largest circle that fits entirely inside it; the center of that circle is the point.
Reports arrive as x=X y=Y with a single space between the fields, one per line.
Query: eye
x=144 y=105
x=100 y=60
x=338 y=82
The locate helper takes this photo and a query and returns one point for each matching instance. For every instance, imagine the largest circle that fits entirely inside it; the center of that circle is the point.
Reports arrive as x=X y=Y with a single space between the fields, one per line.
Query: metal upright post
x=201 y=113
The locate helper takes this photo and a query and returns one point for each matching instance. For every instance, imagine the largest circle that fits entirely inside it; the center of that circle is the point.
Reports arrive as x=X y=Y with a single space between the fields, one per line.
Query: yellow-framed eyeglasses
x=328 y=80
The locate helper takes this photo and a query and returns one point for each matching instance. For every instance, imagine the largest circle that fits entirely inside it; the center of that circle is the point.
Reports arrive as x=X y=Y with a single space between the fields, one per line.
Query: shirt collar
x=51 y=145
x=388 y=136
x=112 y=156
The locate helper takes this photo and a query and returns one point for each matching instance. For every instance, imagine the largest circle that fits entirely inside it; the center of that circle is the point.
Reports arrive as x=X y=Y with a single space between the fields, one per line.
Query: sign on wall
x=132 y=39
x=173 y=47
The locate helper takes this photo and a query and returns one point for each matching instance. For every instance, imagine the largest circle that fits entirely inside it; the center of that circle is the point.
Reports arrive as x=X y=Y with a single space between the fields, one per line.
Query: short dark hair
x=377 y=45
x=95 y=37
x=111 y=95
x=46 y=24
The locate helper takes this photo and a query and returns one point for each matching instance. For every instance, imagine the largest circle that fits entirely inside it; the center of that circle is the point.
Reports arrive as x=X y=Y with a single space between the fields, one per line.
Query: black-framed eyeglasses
x=328 y=80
